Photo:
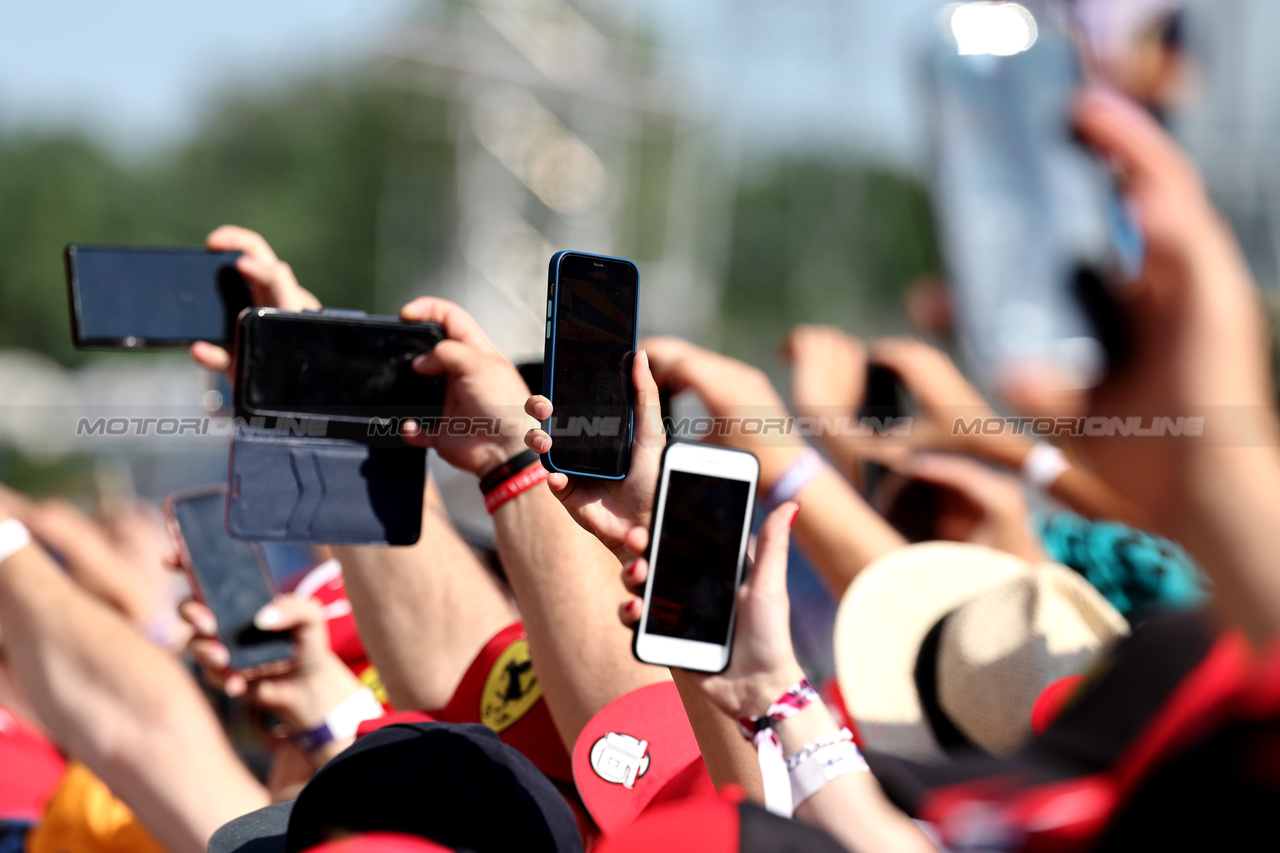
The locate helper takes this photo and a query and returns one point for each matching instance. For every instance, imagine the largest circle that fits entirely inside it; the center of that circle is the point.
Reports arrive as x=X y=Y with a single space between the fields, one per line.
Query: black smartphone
x=341 y=366
x=229 y=577
x=701 y=521
x=1031 y=224
x=883 y=401
x=126 y=297
x=592 y=304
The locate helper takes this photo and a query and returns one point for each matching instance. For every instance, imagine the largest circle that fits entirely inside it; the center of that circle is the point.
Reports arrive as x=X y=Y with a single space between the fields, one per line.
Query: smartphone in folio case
x=290 y=488
x=228 y=576
x=341 y=366
x=697 y=547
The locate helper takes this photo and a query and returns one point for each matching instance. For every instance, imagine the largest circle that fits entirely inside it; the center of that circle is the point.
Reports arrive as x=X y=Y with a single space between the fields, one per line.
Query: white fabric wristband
x=815 y=769
x=799 y=474
x=1043 y=466
x=343 y=721
x=14 y=536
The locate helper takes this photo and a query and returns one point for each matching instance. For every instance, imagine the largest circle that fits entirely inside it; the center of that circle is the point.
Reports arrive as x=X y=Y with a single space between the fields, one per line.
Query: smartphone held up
x=592 y=305
x=1030 y=222
x=129 y=297
x=697 y=548
x=228 y=576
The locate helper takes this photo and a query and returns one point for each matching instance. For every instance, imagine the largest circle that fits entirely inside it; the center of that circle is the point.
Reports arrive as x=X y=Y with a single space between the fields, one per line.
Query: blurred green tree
x=306 y=166
x=818 y=240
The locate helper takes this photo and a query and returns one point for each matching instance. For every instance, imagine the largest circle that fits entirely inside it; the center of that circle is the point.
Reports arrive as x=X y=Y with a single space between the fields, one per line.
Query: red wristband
x=514 y=485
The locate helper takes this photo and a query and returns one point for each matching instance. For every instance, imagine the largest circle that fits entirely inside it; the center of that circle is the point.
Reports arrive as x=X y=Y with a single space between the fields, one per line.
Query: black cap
x=457 y=785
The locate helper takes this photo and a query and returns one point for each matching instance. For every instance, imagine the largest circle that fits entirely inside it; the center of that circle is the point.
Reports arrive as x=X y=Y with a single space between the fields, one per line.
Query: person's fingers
x=986 y=489
x=233 y=238
x=199 y=617
x=210 y=653
x=15 y=504
x=446 y=357
x=210 y=356
x=288 y=613
x=538 y=407
x=537 y=441
x=636 y=539
x=665 y=356
x=769 y=574
x=629 y=612
x=560 y=484
x=635 y=573
x=235 y=685
x=649 y=429
x=274 y=285
x=1120 y=129
x=458 y=324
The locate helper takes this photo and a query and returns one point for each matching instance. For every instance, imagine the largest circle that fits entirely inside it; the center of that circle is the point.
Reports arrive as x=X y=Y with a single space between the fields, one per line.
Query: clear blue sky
x=139 y=72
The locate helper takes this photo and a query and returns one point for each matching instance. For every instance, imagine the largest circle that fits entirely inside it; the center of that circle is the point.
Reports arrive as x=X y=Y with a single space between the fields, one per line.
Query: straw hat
x=945 y=644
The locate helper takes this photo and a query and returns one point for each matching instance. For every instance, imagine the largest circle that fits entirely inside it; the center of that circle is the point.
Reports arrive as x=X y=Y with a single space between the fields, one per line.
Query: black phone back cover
x=286 y=488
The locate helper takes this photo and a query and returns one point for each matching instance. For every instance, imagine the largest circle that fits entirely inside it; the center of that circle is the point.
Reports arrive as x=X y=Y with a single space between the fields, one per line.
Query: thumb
x=769 y=574
x=447 y=357
x=303 y=616
x=649 y=427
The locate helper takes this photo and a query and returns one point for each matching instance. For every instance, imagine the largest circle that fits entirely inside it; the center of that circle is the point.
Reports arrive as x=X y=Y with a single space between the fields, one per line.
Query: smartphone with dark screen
x=592 y=304
x=884 y=400
x=228 y=576
x=126 y=297
x=346 y=368
x=702 y=518
x=1031 y=224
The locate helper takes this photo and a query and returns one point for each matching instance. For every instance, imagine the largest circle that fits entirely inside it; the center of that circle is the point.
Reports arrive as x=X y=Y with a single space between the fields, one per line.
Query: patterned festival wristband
x=773 y=768
x=512 y=486
x=798 y=697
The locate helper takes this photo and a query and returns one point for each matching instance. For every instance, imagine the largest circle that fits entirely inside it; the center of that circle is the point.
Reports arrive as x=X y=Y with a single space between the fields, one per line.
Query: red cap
x=637 y=752
x=381 y=842
x=702 y=825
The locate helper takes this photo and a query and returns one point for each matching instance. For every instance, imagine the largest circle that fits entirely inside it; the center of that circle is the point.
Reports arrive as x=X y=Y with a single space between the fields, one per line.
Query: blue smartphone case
x=549 y=362
x=286 y=488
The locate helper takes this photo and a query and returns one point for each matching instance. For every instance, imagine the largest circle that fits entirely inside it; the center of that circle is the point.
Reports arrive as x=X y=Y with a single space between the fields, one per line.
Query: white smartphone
x=697 y=546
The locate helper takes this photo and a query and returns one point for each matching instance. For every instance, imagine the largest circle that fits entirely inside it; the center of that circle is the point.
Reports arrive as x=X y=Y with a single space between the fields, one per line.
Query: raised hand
x=271 y=285
x=609 y=508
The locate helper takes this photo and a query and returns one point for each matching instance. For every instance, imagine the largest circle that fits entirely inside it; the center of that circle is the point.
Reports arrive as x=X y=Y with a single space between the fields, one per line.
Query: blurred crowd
x=1062 y=644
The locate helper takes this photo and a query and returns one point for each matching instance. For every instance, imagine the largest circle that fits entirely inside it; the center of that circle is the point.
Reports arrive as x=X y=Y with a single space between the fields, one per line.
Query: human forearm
x=730 y=758
x=424 y=612
x=568 y=587
x=839 y=531
x=1227 y=516
x=121 y=706
x=851 y=807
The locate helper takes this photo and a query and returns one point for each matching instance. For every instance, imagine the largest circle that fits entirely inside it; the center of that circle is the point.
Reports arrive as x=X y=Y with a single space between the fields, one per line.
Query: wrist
x=775 y=461
x=317 y=694
x=338 y=728
x=765 y=691
x=495 y=457
x=813 y=722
